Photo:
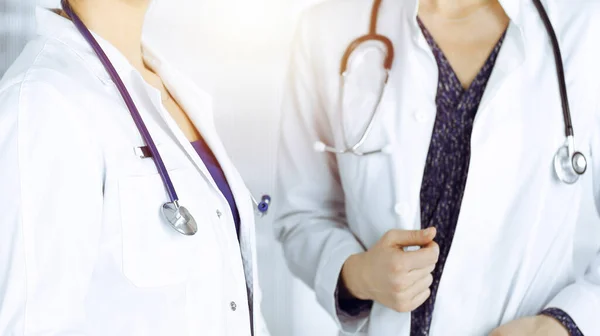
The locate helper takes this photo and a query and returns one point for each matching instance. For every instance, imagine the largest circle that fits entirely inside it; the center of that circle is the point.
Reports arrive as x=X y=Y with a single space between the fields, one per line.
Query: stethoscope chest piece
x=569 y=166
x=179 y=218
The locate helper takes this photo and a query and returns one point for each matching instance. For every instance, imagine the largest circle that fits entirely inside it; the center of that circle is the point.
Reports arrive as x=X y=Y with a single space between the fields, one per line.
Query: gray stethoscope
x=569 y=164
x=176 y=215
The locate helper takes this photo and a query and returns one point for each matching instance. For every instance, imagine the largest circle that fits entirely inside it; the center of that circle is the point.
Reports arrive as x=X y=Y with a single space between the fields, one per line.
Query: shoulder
x=576 y=25
x=331 y=15
x=324 y=30
x=47 y=80
x=336 y=18
x=39 y=93
x=48 y=64
x=337 y=8
x=577 y=15
x=574 y=5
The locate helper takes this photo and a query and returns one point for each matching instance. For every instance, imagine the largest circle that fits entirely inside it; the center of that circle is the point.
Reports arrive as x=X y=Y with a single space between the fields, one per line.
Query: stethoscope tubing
x=137 y=118
x=387 y=64
x=560 y=72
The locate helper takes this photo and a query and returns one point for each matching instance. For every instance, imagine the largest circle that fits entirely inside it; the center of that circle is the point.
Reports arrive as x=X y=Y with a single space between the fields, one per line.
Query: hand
x=387 y=274
x=540 y=325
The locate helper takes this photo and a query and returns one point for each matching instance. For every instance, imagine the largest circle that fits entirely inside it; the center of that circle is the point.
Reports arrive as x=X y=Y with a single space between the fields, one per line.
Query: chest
x=517 y=129
x=466 y=42
x=169 y=103
x=134 y=192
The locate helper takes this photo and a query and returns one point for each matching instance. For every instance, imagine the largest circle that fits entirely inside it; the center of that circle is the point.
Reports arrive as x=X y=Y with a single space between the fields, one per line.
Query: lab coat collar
x=196 y=103
x=511 y=56
x=513 y=8
x=55 y=26
x=52 y=25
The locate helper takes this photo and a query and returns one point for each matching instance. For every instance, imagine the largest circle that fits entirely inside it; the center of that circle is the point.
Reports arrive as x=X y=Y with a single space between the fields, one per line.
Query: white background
x=237 y=50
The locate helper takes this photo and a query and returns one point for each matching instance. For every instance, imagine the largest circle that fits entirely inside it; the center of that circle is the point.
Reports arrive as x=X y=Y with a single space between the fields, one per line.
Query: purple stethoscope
x=176 y=215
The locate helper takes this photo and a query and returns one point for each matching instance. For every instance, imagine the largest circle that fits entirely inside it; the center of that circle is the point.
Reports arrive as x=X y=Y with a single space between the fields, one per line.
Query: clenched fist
x=388 y=274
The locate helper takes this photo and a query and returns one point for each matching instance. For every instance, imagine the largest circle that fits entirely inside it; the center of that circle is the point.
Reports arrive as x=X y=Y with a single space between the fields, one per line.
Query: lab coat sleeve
x=310 y=221
x=581 y=300
x=48 y=247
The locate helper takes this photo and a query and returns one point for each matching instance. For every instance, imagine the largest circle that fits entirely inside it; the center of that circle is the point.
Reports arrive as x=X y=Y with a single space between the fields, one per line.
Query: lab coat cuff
x=326 y=287
x=579 y=301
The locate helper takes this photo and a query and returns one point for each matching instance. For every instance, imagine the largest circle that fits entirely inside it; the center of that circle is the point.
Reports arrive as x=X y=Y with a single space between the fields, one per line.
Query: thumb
x=409 y=237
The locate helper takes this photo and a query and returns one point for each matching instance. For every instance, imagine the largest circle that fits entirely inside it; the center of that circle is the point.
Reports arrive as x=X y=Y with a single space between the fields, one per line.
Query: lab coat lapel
x=511 y=56
x=201 y=104
x=199 y=110
x=240 y=192
x=198 y=106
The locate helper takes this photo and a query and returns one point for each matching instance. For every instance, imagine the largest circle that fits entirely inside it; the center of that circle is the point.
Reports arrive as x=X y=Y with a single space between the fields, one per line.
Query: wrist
x=548 y=325
x=352 y=279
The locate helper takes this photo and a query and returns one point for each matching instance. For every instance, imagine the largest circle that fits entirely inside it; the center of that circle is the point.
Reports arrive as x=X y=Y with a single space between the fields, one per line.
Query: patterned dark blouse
x=447 y=166
x=445 y=176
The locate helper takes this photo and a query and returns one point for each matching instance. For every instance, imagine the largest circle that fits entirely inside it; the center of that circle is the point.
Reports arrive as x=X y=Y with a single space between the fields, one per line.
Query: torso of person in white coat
x=470 y=120
x=84 y=249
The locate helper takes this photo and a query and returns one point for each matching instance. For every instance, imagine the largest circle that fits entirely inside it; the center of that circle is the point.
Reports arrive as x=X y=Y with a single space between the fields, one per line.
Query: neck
x=117 y=21
x=453 y=5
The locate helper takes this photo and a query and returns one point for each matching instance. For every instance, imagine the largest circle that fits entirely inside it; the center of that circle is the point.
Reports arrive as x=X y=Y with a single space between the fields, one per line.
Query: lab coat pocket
x=154 y=254
x=369 y=177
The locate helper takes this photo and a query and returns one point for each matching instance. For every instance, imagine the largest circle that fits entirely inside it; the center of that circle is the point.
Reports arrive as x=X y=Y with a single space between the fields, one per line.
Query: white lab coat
x=512 y=253
x=83 y=247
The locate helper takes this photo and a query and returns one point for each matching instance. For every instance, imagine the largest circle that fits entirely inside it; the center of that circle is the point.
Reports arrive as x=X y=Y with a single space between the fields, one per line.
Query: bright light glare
x=230 y=29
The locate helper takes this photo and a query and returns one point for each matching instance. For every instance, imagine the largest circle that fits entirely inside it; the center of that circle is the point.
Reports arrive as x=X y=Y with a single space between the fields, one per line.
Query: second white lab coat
x=512 y=252
x=84 y=249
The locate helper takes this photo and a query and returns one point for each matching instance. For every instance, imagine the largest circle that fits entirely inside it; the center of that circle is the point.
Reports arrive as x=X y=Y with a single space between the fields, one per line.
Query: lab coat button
x=233 y=306
x=420 y=116
x=219 y=213
x=401 y=209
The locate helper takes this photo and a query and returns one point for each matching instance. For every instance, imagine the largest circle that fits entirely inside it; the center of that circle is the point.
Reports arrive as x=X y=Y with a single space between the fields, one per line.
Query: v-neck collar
x=446 y=67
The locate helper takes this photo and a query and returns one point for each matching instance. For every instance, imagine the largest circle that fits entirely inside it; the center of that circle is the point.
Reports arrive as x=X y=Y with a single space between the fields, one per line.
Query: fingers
x=401 y=238
x=419 y=299
x=402 y=263
x=412 y=297
x=412 y=289
x=413 y=283
x=417 y=274
x=414 y=303
x=419 y=286
x=405 y=277
x=423 y=258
